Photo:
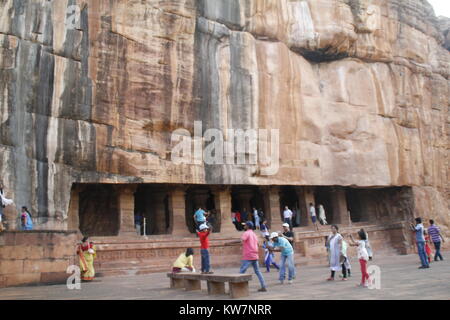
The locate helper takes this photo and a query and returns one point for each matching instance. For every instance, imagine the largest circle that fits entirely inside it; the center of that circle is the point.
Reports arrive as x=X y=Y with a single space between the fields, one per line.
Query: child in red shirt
x=204 y=246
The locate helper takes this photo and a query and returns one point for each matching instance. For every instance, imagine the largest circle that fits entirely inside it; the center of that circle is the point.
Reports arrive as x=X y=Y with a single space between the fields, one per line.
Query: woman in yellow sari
x=86 y=253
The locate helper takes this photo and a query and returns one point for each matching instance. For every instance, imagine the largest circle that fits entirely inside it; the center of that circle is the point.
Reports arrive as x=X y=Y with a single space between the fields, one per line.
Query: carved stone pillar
x=222 y=198
x=73 y=216
x=126 y=210
x=340 y=209
x=305 y=197
x=159 y=212
x=177 y=207
x=273 y=209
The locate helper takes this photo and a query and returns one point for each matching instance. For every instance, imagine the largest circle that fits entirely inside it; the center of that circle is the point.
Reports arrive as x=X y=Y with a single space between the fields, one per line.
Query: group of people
x=26 y=219
x=240 y=218
x=423 y=238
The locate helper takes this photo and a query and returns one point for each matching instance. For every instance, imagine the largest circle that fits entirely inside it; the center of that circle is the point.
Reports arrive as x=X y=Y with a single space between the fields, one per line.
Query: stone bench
x=238 y=283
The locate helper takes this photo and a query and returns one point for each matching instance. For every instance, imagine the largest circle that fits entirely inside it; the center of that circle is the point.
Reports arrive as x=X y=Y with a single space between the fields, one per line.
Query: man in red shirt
x=250 y=253
x=204 y=246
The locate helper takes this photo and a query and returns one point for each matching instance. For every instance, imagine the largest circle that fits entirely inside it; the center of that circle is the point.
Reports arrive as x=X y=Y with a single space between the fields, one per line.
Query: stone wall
x=358 y=89
x=36 y=257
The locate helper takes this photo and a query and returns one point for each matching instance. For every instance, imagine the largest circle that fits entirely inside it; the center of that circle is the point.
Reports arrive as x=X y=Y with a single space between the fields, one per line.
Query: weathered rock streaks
x=358 y=89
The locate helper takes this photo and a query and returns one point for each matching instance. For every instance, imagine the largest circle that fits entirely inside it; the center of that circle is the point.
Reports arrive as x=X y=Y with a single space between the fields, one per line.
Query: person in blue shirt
x=25 y=217
x=420 y=239
x=199 y=218
x=287 y=255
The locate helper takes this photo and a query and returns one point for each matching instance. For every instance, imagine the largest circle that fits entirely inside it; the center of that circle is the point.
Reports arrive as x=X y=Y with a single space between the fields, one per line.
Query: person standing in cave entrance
x=322 y=216
x=312 y=213
x=256 y=218
x=244 y=216
x=287 y=215
x=138 y=222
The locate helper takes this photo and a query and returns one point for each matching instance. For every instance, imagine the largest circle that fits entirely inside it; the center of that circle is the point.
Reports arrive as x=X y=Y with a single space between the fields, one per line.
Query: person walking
x=312 y=213
x=363 y=256
x=264 y=229
x=436 y=238
x=336 y=257
x=26 y=220
x=87 y=253
x=269 y=257
x=250 y=253
x=287 y=215
x=427 y=246
x=322 y=216
x=203 y=234
x=420 y=239
x=345 y=266
x=287 y=255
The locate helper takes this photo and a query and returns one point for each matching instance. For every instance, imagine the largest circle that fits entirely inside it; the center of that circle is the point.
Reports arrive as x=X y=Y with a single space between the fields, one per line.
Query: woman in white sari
x=336 y=258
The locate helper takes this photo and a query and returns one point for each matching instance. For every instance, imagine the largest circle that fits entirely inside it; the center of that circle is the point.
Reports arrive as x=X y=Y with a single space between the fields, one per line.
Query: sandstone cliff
x=359 y=90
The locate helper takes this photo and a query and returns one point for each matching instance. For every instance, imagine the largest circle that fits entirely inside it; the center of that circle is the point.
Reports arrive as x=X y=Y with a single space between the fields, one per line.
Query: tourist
x=86 y=253
x=199 y=218
x=250 y=253
x=336 y=257
x=269 y=257
x=261 y=215
x=312 y=213
x=363 y=256
x=138 y=223
x=238 y=221
x=184 y=262
x=345 y=266
x=288 y=234
x=3 y=203
x=420 y=239
x=427 y=247
x=287 y=255
x=368 y=246
x=256 y=218
x=287 y=214
x=322 y=217
x=25 y=219
x=436 y=237
x=264 y=229
x=204 y=246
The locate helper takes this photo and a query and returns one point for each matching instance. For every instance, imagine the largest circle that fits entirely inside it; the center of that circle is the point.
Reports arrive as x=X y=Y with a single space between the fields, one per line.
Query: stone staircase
x=136 y=256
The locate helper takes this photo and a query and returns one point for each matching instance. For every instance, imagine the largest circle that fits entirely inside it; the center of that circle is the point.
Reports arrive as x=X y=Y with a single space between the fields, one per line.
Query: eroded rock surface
x=359 y=90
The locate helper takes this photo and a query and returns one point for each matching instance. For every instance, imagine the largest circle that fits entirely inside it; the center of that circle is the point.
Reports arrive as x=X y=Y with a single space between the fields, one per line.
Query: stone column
x=73 y=215
x=177 y=207
x=159 y=212
x=126 y=210
x=222 y=198
x=305 y=197
x=272 y=195
x=339 y=203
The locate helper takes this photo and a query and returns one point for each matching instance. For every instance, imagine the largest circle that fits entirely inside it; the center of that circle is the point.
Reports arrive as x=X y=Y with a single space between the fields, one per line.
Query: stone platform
x=400 y=280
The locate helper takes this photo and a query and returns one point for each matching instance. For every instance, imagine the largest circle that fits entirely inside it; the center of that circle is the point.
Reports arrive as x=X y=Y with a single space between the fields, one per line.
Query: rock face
x=91 y=91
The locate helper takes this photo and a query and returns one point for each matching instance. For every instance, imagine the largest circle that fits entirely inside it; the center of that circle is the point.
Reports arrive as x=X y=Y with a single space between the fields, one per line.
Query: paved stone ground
x=400 y=279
